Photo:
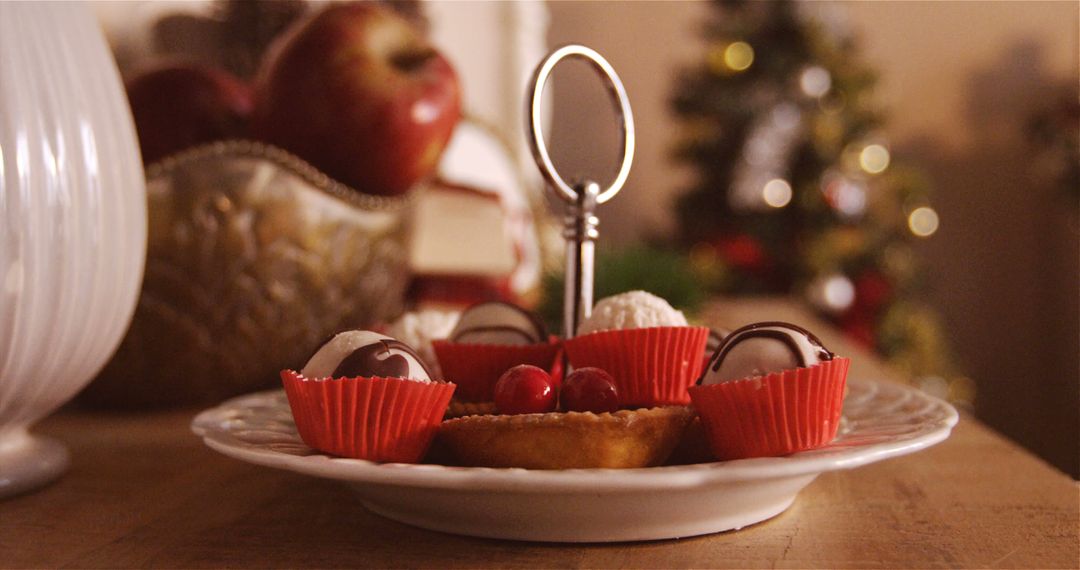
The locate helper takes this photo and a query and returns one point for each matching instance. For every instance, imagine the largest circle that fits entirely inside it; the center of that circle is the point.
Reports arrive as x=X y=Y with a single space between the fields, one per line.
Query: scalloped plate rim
x=579 y=480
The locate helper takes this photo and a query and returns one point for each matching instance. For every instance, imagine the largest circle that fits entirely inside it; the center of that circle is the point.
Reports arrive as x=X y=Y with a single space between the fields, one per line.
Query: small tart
x=567 y=440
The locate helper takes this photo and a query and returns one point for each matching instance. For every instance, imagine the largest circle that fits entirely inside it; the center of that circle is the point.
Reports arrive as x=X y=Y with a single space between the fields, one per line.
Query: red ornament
x=872 y=290
x=858 y=325
x=744 y=252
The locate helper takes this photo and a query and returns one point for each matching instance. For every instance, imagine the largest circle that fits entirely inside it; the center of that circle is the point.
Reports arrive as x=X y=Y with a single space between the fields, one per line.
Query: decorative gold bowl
x=253 y=258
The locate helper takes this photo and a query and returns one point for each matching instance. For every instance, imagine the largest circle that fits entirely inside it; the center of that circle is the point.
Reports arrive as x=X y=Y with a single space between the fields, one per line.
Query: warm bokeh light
x=936 y=386
x=923 y=221
x=845 y=196
x=739 y=56
x=839 y=292
x=832 y=292
x=815 y=81
x=776 y=193
x=874 y=158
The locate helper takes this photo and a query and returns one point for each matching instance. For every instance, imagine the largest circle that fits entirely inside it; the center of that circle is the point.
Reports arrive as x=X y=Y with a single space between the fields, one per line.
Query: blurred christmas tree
x=796 y=191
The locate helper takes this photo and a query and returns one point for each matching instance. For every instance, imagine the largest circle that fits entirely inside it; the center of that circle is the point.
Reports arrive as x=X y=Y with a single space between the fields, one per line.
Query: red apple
x=179 y=105
x=359 y=93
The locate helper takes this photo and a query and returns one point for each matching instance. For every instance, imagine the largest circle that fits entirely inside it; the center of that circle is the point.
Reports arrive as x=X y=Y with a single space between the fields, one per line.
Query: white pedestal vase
x=72 y=223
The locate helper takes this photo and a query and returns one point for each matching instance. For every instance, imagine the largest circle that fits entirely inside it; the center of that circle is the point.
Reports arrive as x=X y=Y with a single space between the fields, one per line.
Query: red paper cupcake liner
x=778 y=414
x=389 y=420
x=475 y=368
x=650 y=366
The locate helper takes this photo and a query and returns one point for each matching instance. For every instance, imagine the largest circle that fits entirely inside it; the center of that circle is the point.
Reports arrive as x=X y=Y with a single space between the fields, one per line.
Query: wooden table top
x=143 y=492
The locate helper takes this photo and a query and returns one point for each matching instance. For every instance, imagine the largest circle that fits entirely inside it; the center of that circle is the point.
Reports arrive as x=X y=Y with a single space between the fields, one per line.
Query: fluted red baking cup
x=778 y=414
x=475 y=368
x=651 y=366
x=389 y=420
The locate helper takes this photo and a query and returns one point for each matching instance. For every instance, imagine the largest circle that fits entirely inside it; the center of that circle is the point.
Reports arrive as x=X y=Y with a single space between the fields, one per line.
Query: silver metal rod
x=581 y=200
x=580 y=232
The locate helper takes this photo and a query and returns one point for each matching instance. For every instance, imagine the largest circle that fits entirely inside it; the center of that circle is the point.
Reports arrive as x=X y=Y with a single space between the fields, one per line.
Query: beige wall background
x=958 y=80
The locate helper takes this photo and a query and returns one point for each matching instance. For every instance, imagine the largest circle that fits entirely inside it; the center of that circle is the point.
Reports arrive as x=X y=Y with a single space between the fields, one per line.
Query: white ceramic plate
x=586 y=505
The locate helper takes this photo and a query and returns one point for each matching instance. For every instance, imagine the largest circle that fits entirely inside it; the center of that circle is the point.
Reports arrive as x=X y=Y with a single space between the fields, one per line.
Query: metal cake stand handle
x=582 y=198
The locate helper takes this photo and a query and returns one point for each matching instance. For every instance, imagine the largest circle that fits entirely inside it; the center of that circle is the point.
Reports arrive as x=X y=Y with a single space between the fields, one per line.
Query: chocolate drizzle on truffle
x=369 y=361
x=536 y=335
x=766 y=330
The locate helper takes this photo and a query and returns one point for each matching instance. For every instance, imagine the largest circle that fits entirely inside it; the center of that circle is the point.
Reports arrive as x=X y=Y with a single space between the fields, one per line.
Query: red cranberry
x=524 y=389
x=589 y=390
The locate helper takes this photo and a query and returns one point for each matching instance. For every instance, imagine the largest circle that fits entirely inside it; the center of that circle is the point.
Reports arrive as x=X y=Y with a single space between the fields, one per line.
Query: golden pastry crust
x=570 y=440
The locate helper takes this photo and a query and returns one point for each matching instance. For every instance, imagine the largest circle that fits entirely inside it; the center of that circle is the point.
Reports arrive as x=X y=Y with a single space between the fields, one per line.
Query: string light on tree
x=739 y=56
x=874 y=158
x=776 y=193
x=923 y=221
x=815 y=81
x=734 y=57
x=833 y=293
x=846 y=196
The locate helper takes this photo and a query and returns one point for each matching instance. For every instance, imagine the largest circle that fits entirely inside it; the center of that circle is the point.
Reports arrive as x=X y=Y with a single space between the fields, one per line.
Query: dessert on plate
x=489 y=339
x=527 y=429
x=771 y=388
x=645 y=344
x=367 y=396
x=768 y=389
x=623 y=407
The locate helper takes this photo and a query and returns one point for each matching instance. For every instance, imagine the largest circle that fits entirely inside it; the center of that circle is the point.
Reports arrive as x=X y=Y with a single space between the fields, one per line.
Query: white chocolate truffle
x=496 y=322
x=761 y=349
x=418 y=328
x=632 y=310
x=365 y=353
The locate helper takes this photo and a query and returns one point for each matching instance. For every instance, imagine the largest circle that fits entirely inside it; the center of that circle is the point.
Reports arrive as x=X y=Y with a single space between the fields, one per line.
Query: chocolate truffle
x=364 y=353
x=763 y=348
x=496 y=322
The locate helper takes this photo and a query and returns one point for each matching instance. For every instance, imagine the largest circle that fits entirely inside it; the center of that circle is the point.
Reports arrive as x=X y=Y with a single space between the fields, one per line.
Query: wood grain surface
x=143 y=492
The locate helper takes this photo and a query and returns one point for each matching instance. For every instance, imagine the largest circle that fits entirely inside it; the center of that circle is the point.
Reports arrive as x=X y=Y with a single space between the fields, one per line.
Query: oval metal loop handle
x=536 y=140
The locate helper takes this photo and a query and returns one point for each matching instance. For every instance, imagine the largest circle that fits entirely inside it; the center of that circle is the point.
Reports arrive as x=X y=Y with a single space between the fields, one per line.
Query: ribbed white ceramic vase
x=72 y=223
